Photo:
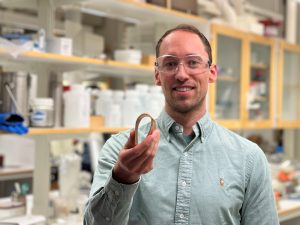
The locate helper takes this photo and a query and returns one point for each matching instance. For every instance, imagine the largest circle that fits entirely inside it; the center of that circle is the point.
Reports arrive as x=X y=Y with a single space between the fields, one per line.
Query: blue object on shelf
x=12 y=123
x=279 y=149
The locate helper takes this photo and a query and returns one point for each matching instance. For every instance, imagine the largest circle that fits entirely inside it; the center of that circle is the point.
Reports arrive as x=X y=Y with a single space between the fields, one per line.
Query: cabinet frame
x=284 y=45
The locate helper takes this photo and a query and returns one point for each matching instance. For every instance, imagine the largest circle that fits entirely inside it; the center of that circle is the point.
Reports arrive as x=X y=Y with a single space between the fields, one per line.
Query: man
x=190 y=170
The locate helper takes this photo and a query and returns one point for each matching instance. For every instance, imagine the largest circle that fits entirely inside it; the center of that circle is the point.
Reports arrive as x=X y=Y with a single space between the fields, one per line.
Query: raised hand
x=135 y=160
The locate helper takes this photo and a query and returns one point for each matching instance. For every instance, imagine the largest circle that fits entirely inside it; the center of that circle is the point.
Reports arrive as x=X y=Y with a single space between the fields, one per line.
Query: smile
x=183 y=88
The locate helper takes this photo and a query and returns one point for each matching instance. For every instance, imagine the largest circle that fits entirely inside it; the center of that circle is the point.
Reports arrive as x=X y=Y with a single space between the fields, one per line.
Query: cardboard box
x=148 y=60
x=96 y=121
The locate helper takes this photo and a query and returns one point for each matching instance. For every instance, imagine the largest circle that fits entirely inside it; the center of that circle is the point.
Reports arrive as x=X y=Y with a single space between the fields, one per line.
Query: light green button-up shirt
x=219 y=178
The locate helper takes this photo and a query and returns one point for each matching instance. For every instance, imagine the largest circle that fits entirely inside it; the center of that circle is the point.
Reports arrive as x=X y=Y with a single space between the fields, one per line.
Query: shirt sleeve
x=109 y=202
x=259 y=205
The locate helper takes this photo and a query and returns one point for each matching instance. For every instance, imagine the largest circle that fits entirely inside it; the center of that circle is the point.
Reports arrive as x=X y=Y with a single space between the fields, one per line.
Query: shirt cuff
x=116 y=190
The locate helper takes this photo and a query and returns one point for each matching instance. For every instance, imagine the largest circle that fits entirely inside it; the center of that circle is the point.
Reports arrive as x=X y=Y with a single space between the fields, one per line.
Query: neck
x=187 y=119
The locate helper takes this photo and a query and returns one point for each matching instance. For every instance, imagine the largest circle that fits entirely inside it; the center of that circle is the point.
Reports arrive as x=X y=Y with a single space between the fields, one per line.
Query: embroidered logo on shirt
x=222 y=182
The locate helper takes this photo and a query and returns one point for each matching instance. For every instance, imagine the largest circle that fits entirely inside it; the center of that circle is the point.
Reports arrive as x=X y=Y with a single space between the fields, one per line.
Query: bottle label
x=38 y=117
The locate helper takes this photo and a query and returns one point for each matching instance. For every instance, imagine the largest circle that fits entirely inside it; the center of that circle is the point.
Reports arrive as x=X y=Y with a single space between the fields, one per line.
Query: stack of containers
x=121 y=108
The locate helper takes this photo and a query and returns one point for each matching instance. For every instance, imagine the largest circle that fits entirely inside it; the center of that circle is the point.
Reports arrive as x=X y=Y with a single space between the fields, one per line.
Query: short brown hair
x=188 y=28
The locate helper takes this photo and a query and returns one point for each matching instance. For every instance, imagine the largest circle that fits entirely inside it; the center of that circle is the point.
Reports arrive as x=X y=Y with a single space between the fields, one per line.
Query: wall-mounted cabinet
x=288 y=86
x=242 y=95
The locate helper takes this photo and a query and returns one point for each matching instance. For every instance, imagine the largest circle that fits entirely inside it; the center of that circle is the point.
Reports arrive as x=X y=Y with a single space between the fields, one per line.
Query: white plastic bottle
x=114 y=117
x=143 y=96
x=42 y=40
x=156 y=101
x=77 y=107
x=103 y=104
x=118 y=96
x=131 y=108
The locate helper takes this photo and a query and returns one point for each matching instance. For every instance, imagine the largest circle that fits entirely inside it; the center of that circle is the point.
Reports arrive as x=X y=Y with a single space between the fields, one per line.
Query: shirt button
x=185 y=154
x=181 y=216
x=107 y=218
x=176 y=127
x=183 y=183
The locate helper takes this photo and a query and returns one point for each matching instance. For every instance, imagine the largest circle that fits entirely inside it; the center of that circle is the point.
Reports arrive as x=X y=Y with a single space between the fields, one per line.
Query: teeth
x=183 y=89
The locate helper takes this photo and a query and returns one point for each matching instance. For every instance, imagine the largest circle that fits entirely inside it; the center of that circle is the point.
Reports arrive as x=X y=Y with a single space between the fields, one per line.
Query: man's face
x=185 y=90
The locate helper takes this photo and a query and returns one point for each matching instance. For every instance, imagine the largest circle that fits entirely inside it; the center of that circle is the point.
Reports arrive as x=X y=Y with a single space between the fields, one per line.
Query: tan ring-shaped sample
x=138 y=120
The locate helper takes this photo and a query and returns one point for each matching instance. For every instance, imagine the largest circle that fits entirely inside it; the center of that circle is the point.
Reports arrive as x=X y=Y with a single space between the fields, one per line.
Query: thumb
x=131 y=140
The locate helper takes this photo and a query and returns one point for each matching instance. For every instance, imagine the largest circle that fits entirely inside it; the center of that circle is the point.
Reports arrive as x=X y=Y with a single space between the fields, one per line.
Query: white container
x=42 y=40
x=156 y=100
x=156 y=104
x=155 y=89
x=59 y=45
x=104 y=103
x=132 y=56
x=42 y=113
x=131 y=108
x=114 y=117
x=118 y=97
x=69 y=169
x=77 y=107
x=143 y=96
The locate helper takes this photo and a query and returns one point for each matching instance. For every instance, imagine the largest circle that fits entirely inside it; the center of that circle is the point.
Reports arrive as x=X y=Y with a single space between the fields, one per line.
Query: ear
x=213 y=73
x=157 y=78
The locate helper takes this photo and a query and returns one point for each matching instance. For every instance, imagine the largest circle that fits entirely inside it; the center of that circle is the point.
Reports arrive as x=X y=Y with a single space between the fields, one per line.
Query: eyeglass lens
x=170 y=64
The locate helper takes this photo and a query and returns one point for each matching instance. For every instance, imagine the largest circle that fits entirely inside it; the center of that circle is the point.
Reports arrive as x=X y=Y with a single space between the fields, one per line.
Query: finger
x=142 y=163
x=144 y=147
x=133 y=158
x=131 y=142
x=129 y=157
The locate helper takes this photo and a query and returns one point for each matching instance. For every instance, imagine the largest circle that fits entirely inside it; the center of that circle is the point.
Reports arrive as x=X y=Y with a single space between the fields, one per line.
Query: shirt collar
x=202 y=128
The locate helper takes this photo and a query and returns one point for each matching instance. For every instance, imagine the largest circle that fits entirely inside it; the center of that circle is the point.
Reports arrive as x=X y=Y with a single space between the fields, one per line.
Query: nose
x=181 y=73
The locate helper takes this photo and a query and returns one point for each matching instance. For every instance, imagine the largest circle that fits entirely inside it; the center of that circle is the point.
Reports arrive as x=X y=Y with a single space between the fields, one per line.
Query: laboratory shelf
x=65 y=63
x=137 y=12
x=47 y=131
x=15 y=172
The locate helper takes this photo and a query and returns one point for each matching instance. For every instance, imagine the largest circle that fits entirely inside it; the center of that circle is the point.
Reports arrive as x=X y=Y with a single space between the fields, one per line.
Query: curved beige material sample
x=138 y=120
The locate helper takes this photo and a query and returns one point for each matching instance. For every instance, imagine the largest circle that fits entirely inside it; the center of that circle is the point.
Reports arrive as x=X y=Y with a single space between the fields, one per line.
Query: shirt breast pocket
x=231 y=186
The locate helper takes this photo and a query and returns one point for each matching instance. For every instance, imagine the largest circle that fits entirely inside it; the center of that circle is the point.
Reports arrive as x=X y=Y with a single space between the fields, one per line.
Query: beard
x=180 y=106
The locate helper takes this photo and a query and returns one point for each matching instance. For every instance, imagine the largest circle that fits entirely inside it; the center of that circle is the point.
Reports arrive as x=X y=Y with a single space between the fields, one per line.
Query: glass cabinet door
x=227 y=87
x=258 y=95
x=259 y=99
x=289 y=83
x=226 y=93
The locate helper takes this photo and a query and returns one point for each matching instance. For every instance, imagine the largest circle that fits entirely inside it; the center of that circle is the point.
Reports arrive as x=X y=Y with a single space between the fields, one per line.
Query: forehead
x=181 y=43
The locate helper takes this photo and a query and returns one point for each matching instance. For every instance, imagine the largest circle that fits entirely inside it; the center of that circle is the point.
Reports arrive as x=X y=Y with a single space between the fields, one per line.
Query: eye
x=194 y=61
x=170 y=64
